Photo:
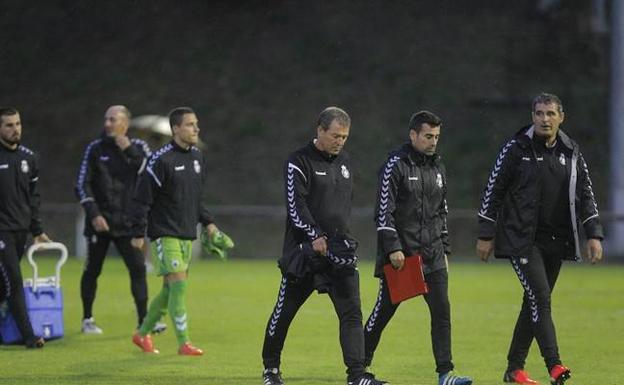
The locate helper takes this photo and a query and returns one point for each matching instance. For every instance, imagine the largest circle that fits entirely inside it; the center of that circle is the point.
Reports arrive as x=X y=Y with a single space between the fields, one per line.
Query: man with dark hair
x=410 y=216
x=19 y=215
x=169 y=194
x=177 y=115
x=109 y=165
x=319 y=188
x=537 y=195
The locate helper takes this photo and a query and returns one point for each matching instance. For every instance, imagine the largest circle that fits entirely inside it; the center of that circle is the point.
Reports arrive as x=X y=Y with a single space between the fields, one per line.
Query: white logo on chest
x=439 y=180
x=562 y=159
x=196 y=166
x=179 y=168
x=345 y=171
x=25 y=167
x=104 y=158
x=320 y=172
x=4 y=166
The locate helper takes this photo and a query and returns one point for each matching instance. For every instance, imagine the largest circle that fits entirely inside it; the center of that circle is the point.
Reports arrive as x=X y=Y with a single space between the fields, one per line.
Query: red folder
x=407 y=282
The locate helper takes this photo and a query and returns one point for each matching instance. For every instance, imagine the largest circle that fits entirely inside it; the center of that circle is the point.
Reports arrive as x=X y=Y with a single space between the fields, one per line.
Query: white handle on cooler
x=47 y=246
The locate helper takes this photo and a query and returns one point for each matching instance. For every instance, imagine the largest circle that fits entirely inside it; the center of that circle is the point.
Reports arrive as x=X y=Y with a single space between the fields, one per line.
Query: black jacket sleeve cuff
x=593 y=229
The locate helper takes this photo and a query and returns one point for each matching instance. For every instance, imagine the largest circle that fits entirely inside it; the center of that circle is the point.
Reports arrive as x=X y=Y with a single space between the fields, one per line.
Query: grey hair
x=328 y=115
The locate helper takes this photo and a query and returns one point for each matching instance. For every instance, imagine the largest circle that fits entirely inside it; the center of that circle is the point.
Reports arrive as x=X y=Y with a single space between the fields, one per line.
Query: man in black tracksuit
x=19 y=215
x=538 y=194
x=169 y=195
x=318 y=183
x=410 y=216
x=104 y=187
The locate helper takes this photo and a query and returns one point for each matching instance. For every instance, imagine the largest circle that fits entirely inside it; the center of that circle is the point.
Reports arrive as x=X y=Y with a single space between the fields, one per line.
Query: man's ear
x=413 y=135
x=126 y=127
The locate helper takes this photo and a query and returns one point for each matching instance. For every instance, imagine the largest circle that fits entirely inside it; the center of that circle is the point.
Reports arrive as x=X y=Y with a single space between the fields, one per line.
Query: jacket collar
x=107 y=139
x=7 y=149
x=179 y=148
x=407 y=151
x=528 y=132
x=327 y=157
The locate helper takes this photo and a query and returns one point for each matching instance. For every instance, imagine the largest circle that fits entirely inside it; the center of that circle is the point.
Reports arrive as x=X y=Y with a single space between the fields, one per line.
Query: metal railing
x=258 y=230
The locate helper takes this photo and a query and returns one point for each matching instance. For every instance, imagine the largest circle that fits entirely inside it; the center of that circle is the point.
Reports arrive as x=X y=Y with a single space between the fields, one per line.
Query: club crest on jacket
x=25 y=167
x=345 y=171
x=196 y=166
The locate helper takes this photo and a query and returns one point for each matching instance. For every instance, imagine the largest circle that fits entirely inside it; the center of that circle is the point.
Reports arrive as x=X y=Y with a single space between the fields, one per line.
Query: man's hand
x=320 y=245
x=397 y=259
x=137 y=243
x=211 y=228
x=99 y=224
x=122 y=141
x=484 y=249
x=43 y=237
x=594 y=250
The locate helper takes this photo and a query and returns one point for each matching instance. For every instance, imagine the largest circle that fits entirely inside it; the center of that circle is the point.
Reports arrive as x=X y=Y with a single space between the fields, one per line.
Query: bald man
x=104 y=187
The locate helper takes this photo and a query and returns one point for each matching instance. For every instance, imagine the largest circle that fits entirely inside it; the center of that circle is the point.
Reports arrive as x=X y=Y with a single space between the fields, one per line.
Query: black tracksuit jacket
x=509 y=210
x=105 y=183
x=19 y=194
x=319 y=190
x=170 y=192
x=411 y=209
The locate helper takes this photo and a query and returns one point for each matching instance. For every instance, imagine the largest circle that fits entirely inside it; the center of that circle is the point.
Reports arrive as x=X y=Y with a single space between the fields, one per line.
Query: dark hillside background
x=258 y=73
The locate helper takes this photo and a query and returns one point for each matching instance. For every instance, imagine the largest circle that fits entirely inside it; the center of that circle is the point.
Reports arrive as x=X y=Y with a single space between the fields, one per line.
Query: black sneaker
x=366 y=379
x=272 y=376
x=35 y=343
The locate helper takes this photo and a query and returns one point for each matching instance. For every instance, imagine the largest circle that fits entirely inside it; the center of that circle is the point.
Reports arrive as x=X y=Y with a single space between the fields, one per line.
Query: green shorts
x=174 y=254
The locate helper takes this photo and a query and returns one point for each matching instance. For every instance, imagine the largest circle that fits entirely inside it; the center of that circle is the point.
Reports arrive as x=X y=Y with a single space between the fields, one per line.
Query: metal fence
x=258 y=230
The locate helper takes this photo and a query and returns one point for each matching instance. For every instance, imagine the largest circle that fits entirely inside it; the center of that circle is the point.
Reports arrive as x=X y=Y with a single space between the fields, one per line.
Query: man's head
x=332 y=130
x=184 y=125
x=117 y=121
x=547 y=115
x=424 y=132
x=10 y=126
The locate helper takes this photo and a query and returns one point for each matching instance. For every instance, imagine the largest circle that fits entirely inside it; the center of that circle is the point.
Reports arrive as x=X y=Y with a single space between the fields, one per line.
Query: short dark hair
x=328 y=115
x=7 y=111
x=422 y=117
x=175 y=116
x=546 y=98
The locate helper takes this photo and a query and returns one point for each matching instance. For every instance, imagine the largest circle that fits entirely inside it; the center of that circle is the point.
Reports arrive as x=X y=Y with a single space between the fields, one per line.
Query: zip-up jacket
x=411 y=209
x=319 y=190
x=169 y=193
x=511 y=200
x=19 y=194
x=106 y=180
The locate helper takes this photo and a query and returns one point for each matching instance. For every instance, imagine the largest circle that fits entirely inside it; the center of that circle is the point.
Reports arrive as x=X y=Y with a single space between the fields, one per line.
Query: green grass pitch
x=229 y=304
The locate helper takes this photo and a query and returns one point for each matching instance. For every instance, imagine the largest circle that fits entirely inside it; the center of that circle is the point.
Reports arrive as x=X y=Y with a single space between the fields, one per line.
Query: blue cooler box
x=44 y=301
